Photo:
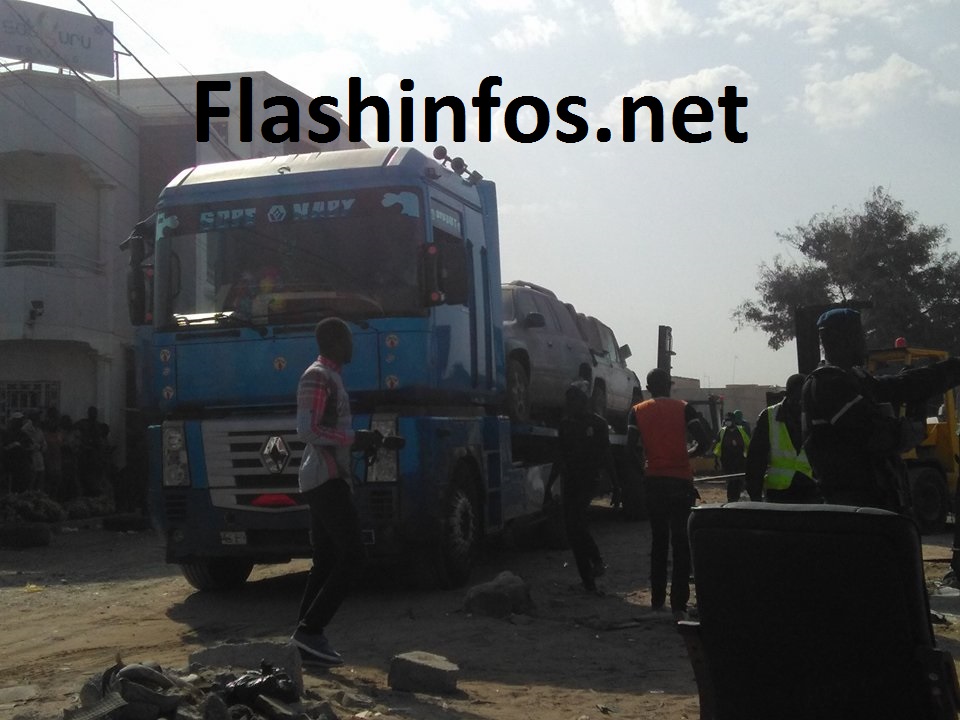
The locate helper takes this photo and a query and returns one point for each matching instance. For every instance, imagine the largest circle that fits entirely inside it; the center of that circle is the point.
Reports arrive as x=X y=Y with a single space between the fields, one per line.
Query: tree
x=881 y=255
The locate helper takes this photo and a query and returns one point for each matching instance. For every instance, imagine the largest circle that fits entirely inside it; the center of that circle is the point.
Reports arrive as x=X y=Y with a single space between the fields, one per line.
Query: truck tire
x=461 y=529
x=217 y=573
x=518 y=391
x=928 y=493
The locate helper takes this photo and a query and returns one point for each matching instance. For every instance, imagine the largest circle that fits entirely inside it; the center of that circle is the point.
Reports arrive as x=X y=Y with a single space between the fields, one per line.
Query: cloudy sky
x=843 y=95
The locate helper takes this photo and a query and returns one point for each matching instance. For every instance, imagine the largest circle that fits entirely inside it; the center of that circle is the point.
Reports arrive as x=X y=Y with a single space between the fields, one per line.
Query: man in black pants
x=584 y=441
x=325 y=425
x=657 y=436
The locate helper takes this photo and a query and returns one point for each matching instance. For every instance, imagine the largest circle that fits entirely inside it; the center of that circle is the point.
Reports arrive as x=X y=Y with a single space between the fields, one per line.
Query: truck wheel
x=217 y=573
x=928 y=492
x=518 y=391
x=461 y=530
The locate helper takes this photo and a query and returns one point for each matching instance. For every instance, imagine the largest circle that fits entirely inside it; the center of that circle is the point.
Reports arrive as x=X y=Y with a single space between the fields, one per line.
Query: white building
x=80 y=164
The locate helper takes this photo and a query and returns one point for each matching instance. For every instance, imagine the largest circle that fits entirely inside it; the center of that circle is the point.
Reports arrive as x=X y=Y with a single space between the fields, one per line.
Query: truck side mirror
x=625 y=351
x=140 y=273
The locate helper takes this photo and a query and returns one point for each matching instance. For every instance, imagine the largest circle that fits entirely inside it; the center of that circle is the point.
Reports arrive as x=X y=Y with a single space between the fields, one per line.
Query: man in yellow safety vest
x=777 y=466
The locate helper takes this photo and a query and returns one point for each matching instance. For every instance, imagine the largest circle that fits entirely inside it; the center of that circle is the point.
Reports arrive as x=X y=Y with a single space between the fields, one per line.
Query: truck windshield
x=353 y=254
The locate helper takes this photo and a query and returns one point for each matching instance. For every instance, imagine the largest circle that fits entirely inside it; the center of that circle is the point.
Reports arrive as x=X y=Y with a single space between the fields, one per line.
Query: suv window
x=545 y=307
x=589 y=332
x=567 y=323
x=525 y=303
x=609 y=343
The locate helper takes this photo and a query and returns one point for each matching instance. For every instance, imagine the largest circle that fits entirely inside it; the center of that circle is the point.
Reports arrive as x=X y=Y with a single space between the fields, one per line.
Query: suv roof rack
x=532 y=286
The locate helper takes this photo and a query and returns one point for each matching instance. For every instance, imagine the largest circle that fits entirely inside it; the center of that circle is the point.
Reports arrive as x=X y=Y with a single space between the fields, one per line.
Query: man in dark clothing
x=657 y=436
x=777 y=466
x=584 y=450
x=17 y=454
x=731 y=450
x=852 y=433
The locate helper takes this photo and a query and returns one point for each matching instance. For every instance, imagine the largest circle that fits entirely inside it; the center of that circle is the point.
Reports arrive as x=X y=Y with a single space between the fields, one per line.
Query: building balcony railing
x=40 y=258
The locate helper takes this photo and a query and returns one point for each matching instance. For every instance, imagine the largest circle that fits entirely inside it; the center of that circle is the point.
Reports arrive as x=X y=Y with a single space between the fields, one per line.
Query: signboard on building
x=48 y=36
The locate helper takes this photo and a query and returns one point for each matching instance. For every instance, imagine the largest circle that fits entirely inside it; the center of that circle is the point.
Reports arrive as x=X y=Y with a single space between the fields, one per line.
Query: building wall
x=65 y=145
x=750 y=399
x=100 y=153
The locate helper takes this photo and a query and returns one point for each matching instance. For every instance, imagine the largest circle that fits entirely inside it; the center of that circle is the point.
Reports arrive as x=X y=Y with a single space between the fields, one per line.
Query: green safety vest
x=784 y=458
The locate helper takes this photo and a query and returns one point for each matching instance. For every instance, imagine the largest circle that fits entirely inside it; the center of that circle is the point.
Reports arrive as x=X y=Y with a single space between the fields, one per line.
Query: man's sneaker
x=314 y=647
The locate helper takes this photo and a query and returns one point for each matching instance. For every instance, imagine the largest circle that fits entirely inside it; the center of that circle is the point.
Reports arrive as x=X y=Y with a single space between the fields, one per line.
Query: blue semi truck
x=228 y=279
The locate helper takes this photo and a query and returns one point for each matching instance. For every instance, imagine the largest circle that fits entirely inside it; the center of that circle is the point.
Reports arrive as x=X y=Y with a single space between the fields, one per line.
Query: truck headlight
x=176 y=472
x=386 y=466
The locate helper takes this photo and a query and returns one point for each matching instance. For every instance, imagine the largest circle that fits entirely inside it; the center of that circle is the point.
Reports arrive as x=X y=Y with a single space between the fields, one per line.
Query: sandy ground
x=68 y=609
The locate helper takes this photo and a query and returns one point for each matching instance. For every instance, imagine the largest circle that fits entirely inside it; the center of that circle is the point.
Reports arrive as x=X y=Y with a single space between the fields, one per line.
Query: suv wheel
x=518 y=391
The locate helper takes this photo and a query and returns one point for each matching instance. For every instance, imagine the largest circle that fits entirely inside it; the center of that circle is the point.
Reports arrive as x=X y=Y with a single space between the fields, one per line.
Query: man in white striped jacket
x=325 y=425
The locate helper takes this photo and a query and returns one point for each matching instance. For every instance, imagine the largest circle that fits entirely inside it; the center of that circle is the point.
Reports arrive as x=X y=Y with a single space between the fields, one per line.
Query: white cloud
x=531 y=31
x=644 y=18
x=396 y=27
x=948 y=49
x=708 y=83
x=502 y=6
x=849 y=101
x=859 y=53
x=946 y=96
x=818 y=20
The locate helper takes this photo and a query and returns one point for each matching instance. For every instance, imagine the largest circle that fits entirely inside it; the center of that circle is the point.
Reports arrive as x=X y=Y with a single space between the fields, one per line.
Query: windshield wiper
x=226 y=317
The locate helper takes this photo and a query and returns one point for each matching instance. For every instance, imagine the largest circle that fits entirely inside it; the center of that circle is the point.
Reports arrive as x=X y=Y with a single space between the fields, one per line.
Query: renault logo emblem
x=275 y=454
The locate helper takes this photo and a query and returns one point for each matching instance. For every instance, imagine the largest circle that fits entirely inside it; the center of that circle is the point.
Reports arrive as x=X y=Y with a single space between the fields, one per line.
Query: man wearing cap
x=852 y=434
x=777 y=466
x=657 y=436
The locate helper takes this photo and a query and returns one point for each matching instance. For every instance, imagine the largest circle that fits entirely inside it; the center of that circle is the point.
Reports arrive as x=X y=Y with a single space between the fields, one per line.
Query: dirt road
x=68 y=609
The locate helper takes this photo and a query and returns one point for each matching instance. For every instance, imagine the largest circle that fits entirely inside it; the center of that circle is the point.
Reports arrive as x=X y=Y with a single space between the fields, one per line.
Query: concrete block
x=419 y=671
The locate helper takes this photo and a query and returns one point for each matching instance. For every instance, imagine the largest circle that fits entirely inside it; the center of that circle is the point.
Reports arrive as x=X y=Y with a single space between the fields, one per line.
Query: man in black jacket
x=584 y=450
x=852 y=433
x=777 y=466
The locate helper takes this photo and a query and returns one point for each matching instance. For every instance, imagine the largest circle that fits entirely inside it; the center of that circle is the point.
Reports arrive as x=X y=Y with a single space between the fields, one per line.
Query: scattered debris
x=146 y=691
x=230 y=690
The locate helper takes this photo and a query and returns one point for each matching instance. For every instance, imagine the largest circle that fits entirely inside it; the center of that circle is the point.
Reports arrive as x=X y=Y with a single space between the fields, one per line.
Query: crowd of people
x=833 y=438
x=50 y=453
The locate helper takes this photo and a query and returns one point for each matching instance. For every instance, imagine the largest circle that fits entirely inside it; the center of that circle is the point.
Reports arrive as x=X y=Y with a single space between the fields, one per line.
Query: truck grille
x=243 y=456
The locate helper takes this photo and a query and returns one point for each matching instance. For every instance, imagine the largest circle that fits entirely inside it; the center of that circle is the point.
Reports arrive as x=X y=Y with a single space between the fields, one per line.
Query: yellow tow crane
x=933 y=464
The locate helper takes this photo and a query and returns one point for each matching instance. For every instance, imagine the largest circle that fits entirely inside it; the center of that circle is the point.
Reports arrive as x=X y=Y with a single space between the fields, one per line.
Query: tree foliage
x=880 y=255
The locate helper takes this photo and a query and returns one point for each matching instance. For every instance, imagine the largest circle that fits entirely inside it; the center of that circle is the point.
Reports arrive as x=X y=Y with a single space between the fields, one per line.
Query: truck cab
x=228 y=280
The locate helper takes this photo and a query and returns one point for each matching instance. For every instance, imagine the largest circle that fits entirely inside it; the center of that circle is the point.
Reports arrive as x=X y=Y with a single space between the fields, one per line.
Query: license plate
x=233 y=537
